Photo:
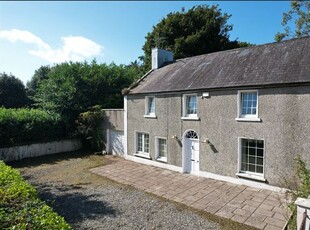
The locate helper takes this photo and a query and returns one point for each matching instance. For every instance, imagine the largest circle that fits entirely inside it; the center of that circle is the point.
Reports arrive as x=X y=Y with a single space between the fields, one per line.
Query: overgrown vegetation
x=90 y=127
x=19 y=126
x=299 y=186
x=20 y=207
x=12 y=92
x=72 y=88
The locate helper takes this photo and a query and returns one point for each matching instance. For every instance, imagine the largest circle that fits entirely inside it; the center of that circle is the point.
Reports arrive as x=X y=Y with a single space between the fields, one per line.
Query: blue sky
x=37 y=33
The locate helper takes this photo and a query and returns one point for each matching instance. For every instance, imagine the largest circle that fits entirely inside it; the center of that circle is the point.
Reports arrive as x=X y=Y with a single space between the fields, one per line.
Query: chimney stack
x=160 y=57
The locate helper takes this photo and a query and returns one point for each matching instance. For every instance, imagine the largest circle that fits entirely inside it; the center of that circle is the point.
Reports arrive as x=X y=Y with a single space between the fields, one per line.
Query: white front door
x=194 y=156
x=190 y=152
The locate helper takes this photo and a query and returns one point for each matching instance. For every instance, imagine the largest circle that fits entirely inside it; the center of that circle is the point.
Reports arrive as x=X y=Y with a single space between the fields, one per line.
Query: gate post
x=303 y=213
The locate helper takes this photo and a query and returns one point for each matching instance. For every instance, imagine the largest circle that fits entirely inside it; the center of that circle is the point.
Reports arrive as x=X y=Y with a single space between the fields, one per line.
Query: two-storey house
x=240 y=115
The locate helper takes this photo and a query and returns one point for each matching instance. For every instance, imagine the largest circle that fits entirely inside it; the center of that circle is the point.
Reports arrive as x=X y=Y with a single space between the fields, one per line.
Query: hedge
x=19 y=126
x=20 y=207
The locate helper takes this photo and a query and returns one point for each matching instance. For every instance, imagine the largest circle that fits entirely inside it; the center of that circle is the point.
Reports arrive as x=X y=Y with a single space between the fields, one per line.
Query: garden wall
x=39 y=149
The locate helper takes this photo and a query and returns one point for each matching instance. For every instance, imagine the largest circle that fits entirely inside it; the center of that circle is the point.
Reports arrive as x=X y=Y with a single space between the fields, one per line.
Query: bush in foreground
x=20 y=207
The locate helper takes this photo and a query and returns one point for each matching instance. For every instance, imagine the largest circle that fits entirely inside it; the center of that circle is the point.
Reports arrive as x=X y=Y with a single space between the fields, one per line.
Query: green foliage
x=299 y=187
x=71 y=88
x=23 y=125
x=12 y=92
x=299 y=15
x=200 y=30
x=20 y=207
x=90 y=127
x=39 y=75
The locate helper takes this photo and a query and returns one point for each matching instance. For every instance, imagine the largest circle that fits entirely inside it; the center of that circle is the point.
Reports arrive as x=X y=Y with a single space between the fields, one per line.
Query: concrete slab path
x=259 y=208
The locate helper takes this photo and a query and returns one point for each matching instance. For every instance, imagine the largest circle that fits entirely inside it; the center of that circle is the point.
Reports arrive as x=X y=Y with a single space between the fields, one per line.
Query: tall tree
x=299 y=17
x=39 y=75
x=12 y=92
x=200 y=30
x=74 y=87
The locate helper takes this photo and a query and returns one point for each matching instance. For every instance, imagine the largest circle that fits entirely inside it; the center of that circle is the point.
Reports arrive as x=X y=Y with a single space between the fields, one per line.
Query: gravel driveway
x=88 y=201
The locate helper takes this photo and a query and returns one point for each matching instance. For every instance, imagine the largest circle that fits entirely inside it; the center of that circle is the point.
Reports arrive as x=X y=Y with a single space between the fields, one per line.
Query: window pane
x=252 y=152
x=244 y=158
x=259 y=169
x=244 y=167
x=251 y=168
x=249 y=103
x=252 y=155
x=146 y=143
x=140 y=142
x=260 y=161
x=260 y=144
x=252 y=160
x=151 y=105
x=162 y=147
x=260 y=152
x=252 y=143
x=191 y=105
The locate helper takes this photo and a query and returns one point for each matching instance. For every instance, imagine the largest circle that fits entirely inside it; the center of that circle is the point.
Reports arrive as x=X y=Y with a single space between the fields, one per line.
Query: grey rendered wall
x=285 y=128
x=112 y=119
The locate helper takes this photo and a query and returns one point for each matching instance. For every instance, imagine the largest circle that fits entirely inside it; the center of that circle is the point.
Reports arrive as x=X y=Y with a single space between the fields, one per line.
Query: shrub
x=90 y=127
x=20 y=207
x=18 y=126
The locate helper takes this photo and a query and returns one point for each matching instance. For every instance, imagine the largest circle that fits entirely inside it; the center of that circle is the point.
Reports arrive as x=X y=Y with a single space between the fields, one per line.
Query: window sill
x=162 y=159
x=190 y=118
x=150 y=116
x=142 y=155
x=253 y=119
x=250 y=176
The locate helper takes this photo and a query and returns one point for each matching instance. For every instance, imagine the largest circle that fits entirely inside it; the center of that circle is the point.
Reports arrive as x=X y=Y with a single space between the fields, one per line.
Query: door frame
x=186 y=157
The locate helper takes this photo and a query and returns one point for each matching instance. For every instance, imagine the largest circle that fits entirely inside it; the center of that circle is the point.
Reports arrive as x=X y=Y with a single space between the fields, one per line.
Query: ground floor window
x=252 y=156
x=161 y=149
x=143 y=143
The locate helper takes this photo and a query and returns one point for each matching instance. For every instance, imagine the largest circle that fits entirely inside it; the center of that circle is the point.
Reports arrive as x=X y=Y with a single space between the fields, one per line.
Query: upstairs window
x=190 y=106
x=150 y=106
x=248 y=105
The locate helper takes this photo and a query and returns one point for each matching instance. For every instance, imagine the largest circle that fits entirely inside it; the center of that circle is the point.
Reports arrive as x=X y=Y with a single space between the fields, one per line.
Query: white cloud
x=75 y=48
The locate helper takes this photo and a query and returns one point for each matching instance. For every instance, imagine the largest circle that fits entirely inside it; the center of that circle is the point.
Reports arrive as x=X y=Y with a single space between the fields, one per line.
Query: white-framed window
x=150 y=107
x=251 y=158
x=142 y=144
x=190 y=106
x=248 y=105
x=161 y=149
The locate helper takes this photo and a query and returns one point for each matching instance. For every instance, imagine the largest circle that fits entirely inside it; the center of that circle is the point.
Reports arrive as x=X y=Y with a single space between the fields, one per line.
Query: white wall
x=34 y=150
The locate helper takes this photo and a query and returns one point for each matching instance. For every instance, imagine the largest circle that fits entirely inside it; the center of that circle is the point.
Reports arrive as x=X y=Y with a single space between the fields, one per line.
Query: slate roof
x=285 y=62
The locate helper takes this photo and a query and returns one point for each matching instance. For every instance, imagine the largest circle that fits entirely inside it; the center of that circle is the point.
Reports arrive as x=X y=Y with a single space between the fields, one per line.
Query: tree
x=39 y=75
x=200 y=30
x=299 y=15
x=12 y=92
x=73 y=87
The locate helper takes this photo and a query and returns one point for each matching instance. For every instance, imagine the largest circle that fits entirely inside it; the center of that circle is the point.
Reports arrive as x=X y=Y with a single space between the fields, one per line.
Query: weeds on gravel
x=20 y=207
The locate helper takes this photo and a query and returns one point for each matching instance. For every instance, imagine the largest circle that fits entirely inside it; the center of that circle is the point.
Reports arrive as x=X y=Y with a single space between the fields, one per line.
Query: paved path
x=259 y=208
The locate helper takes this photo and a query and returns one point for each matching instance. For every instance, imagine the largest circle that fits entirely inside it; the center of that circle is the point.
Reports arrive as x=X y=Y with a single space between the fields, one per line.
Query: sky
x=33 y=34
